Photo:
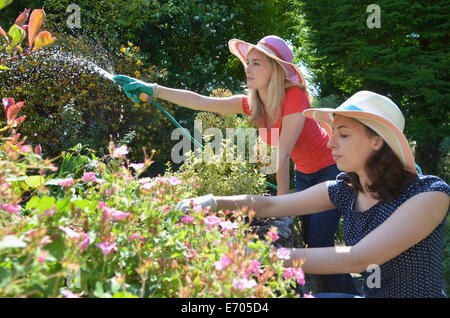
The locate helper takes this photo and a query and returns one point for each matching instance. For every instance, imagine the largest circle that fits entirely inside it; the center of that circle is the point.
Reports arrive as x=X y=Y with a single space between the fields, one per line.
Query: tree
x=406 y=59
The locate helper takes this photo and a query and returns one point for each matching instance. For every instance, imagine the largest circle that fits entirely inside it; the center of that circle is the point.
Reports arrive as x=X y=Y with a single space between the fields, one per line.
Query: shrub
x=113 y=234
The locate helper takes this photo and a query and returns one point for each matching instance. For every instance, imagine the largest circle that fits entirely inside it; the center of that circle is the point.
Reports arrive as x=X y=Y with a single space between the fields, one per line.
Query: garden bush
x=68 y=102
x=112 y=233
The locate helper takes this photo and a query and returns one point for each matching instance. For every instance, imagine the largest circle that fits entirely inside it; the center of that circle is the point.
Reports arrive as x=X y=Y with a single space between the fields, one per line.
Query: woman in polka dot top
x=394 y=220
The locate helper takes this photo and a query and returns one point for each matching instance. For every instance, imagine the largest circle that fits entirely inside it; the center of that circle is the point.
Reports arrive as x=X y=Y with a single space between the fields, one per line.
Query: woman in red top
x=276 y=98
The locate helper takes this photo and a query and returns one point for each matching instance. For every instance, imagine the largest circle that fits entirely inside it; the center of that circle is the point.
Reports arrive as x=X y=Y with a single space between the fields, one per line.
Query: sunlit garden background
x=87 y=186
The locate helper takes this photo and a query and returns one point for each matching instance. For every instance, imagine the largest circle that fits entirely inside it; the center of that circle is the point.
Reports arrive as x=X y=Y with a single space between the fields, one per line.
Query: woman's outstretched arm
x=312 y=200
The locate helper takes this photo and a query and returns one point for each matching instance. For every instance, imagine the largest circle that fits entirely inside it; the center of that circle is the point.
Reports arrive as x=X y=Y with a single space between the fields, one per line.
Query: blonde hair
x=278 y=85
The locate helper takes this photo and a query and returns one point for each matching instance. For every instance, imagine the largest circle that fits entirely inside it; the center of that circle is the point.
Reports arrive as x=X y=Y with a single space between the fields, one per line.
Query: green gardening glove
x=134 y=87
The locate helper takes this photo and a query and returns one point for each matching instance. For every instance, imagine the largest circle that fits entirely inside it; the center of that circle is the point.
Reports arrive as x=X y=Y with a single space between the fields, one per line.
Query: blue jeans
x=319 y=229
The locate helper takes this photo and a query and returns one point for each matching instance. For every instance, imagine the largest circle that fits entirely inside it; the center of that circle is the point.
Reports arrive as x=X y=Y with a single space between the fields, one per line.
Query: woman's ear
x=377 y=143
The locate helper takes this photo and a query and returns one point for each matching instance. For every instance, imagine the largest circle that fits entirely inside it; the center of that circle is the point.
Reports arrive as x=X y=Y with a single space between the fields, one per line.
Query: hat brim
x=390 y=133
x=240 y=49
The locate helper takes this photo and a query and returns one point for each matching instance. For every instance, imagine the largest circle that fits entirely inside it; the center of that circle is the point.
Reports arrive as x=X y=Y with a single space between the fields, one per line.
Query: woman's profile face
x=258 y=70
x=351 y=145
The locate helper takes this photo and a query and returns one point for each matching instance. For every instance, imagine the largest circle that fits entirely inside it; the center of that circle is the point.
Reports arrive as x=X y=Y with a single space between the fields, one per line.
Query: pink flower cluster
x=10 y=208
x=89 y=176
x=284 y=253
x=253 y=268
x=68 y=182
x=228 y=226
x=272 y=234
x=295 y=272
x=120 y=152
x=78 y=237
x=109 y=213
x=223 y=263
x=107 y=247
x=149 y=184
x=188 y=219
x=69 y=294
x=243 y=283
x=211 y=221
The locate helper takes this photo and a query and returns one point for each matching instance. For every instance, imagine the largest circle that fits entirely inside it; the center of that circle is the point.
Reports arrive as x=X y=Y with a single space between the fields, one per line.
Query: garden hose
x=145 y=98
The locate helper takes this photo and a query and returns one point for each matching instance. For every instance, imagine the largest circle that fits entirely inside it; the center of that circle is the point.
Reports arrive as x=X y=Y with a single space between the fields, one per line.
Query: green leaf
x=33 y=203
x=35 y=181
x=82 y=204
x=4 y=3
x=56 y=247
x=63 y=204
x=5 y=276
x=17 y=35
x=124 y=295
x=42 y=204
x=98 y=292
x=10 y=241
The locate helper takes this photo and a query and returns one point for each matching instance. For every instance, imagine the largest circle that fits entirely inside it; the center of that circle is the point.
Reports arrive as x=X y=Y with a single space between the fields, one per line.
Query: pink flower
x=78 y=237
x=284 y=253
x=42 y=257
x=243 y=283
x=191 y=252
x=109 y=213
x=188 y=219
x=272 y=234
x=253 y=267
x=223 y=263
x=132 y=237
x=85 y=241
x=308 y=296
x=295 y=272
x=119 y=215
x=120 y=152
x=137 y=166
x=68 y=294
x=228 y=226
x=45 y=240
x=89 y=176
x=174 y=181
x=69 y=232
x=211 y=221
x=66 y=183
x=10 y=208
x=107 y=247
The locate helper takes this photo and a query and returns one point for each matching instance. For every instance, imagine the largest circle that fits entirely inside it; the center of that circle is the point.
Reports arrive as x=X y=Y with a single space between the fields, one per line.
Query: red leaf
x=19 y=120
x=42 y=39
x=22 y=18
x=38 y=150
x=2 y=32
x=36 y=19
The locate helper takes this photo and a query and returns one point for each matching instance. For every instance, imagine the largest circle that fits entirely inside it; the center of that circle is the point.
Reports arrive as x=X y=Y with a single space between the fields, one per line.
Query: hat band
x=270 y=49
x=350 y=107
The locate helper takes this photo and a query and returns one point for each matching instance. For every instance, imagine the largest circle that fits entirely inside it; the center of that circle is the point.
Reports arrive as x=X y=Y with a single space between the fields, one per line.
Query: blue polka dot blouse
x=417 y=272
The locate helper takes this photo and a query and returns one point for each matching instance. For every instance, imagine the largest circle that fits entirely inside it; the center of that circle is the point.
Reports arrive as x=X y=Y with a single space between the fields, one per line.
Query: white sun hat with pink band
x=376 y=112
x=275 y=48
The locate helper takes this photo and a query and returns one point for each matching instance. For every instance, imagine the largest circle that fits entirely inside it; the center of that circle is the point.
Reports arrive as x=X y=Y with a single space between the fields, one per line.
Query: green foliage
x=213 y=173
x=407 y=59
x=69 y=102
x=113 y=234
x=188 y=38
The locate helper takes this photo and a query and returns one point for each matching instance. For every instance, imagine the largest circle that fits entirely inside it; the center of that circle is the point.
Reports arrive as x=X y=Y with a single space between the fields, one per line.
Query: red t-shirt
x=310 y=152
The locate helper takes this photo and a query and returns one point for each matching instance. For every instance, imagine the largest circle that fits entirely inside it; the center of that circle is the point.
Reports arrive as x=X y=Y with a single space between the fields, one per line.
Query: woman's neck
x=263 y=95
x=364 y=180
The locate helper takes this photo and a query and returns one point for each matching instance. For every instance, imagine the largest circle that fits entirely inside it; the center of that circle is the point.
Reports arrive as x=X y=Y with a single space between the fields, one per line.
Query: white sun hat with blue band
x=376 y=112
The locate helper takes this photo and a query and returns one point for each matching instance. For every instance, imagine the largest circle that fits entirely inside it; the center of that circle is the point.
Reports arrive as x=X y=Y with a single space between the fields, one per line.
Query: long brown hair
x=384 y=169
